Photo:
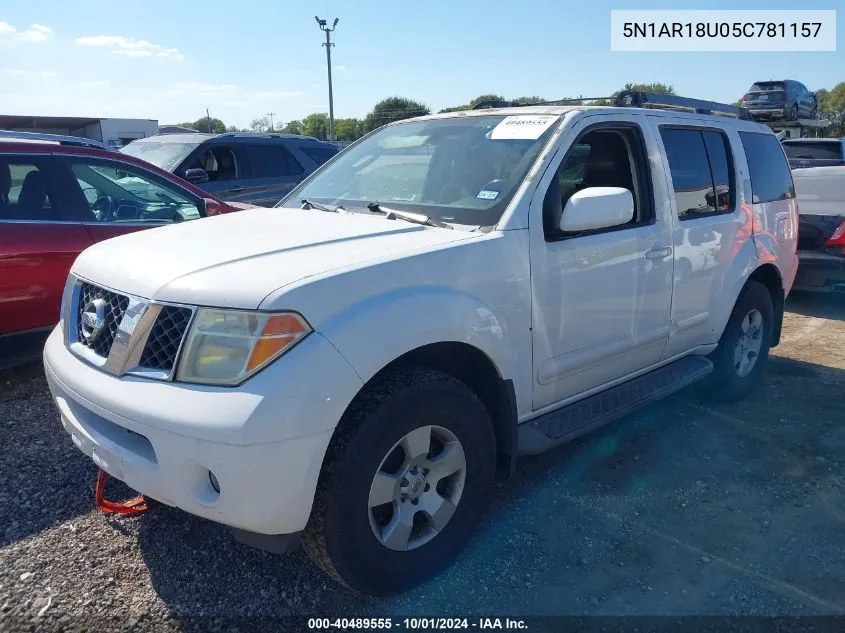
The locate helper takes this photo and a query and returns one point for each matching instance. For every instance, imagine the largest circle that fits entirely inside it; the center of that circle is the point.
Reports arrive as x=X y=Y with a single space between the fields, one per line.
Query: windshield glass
x=461 y=170
x=162 y=154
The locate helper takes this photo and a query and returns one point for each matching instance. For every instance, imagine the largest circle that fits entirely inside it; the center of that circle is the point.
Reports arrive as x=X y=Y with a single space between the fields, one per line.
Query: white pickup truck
x=352 y=368
x=821 y=228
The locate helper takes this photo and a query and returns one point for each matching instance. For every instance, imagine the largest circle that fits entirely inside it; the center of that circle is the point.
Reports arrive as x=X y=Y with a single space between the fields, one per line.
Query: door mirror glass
x=597 y=208
x=196 y=175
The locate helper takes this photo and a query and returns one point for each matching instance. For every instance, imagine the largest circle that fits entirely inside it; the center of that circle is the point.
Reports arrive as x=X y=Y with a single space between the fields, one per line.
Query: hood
x=236 y=260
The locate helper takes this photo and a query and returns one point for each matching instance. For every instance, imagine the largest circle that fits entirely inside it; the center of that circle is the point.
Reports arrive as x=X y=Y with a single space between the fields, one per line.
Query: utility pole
x=208 y=120
x=271 y=115
x=328 y=44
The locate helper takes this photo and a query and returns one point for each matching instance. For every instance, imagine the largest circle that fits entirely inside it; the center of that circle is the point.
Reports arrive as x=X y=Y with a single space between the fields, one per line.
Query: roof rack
x=61 y=139
x=632 y=99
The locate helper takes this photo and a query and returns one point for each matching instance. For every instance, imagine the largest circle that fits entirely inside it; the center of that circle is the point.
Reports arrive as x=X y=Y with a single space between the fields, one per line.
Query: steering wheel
x=103 y=208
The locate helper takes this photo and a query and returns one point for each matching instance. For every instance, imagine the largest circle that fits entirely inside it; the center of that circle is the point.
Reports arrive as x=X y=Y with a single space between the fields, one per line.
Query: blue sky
x=171 y=60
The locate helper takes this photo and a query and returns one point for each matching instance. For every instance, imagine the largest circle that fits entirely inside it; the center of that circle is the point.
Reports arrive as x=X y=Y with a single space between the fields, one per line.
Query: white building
x=116 y=132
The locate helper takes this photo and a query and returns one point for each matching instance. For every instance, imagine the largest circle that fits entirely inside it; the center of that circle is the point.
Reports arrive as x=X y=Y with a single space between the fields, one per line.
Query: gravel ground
x=681 y=509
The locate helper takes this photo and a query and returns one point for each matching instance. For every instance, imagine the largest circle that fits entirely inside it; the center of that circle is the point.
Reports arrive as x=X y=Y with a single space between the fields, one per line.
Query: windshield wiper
x=307 y=205
x=416 y=218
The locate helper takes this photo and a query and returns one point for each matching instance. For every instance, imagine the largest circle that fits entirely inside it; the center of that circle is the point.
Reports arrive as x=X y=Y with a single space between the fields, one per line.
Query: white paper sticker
x=487 y=195
x=524 y=126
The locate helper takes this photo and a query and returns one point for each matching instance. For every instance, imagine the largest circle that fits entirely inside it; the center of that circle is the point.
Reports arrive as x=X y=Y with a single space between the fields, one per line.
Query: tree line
x=831 y=106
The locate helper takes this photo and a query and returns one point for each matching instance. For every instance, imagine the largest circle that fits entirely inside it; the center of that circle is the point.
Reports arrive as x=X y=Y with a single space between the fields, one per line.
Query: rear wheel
x=406 y=480
x=739 y=360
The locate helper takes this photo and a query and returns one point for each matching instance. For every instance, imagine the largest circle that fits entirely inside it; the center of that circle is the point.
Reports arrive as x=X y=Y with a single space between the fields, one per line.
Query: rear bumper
x=820 y=271
x=771 y=112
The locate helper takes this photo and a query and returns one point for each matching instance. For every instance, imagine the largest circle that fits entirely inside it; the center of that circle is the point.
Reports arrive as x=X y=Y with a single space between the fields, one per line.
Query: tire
x=731 y=378
x=793 y=113
x=345 y=536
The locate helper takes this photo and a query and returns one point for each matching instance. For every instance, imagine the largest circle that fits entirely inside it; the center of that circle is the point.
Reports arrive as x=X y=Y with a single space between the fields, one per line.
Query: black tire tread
x=314 y=536
x=723 y=384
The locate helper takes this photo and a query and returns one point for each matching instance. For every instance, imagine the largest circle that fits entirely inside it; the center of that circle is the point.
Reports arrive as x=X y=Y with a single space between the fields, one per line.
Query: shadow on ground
x=817 y=304
x=681 y=509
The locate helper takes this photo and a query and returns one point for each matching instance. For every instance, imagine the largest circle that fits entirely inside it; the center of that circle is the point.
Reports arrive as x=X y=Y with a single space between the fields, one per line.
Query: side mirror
x=213 y=207
x=597 y=208
x=196 y=175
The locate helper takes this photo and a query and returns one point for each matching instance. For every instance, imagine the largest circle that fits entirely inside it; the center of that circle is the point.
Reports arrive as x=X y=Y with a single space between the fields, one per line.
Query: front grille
x=115 y=307
x=165 y=338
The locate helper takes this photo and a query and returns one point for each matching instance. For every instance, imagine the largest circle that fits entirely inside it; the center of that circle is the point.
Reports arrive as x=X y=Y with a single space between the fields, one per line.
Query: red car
x=59 y=195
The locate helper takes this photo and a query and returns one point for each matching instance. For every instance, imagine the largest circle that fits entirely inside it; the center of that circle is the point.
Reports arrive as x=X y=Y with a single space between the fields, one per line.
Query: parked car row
x=252 y=168
x=59 y=195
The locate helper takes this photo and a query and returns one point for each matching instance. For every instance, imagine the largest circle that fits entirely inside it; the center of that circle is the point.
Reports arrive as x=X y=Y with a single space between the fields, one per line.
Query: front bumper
x=264 y=441
x=821 y=271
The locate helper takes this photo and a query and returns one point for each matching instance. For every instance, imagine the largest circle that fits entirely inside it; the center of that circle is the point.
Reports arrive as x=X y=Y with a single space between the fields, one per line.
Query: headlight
x=225 y=347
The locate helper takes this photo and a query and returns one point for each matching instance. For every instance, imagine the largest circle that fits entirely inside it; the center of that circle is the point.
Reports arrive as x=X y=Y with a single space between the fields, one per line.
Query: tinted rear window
x=270 y=160
x=767 y=86
x=825 y=150
x=319 y=154
x=770 y=176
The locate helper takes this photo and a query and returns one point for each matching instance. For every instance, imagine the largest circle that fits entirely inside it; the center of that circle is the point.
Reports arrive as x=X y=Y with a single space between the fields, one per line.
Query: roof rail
x=55 y=138
x=631 y=99
x=491 y=103
x=250 y=134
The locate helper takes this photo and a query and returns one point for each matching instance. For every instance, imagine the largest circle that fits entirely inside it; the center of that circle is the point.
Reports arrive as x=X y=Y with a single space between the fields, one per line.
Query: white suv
x=447 y=294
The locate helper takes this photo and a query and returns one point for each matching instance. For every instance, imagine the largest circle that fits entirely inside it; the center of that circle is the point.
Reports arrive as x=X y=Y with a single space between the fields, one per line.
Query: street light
x=328 y=44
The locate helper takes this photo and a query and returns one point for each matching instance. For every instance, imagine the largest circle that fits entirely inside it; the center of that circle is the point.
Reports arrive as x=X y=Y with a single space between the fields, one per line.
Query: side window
x=219 y=161
x=602 y=157
x=318 y=154
x=272 y=160
x=26 y=192
x=701 y=170
x=121 y=193
x=771 y=179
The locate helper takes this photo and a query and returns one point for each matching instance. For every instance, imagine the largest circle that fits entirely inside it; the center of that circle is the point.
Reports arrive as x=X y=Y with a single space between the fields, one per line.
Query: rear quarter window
x=319 y=154
x=771 y=179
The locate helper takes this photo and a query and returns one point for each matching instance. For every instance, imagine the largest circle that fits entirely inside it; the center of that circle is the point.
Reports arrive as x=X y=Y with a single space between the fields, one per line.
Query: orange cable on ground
x=138 y=505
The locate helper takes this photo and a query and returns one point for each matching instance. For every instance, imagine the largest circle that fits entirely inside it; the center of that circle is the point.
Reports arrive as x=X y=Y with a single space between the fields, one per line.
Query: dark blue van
x=250 y=167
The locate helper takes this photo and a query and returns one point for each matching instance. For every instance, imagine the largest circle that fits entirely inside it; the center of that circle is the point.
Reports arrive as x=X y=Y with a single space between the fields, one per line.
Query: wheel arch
x=769 y=275
x=475 y=369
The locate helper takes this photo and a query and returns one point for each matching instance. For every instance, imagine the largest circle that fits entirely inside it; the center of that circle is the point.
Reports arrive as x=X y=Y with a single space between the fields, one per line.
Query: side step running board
x=567 y=423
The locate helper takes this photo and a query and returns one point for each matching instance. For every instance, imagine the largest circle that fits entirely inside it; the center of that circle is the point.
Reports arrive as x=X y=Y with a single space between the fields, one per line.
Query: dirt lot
x=681 y=509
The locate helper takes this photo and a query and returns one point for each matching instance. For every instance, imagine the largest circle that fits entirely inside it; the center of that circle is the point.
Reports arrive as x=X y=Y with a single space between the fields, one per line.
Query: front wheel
x=406 y=479
x=739 y=360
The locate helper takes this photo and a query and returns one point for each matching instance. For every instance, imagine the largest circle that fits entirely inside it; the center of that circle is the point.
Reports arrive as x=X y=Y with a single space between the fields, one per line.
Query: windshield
x=461 y=170
x=162 y=154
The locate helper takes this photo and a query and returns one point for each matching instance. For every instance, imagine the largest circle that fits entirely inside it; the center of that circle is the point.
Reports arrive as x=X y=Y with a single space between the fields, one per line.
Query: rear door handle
x=237 y=189
x=659 y=253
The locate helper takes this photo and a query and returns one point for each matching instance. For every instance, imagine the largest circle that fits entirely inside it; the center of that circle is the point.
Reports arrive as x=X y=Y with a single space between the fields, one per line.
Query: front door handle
x=659 y=253
x=237 y=189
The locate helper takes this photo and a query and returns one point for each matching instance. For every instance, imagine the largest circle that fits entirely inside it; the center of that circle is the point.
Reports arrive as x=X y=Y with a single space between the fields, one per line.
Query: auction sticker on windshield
x=523 y=127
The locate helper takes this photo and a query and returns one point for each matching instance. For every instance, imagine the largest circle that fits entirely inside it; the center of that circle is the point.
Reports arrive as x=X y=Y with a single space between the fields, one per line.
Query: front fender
x=383 y=327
